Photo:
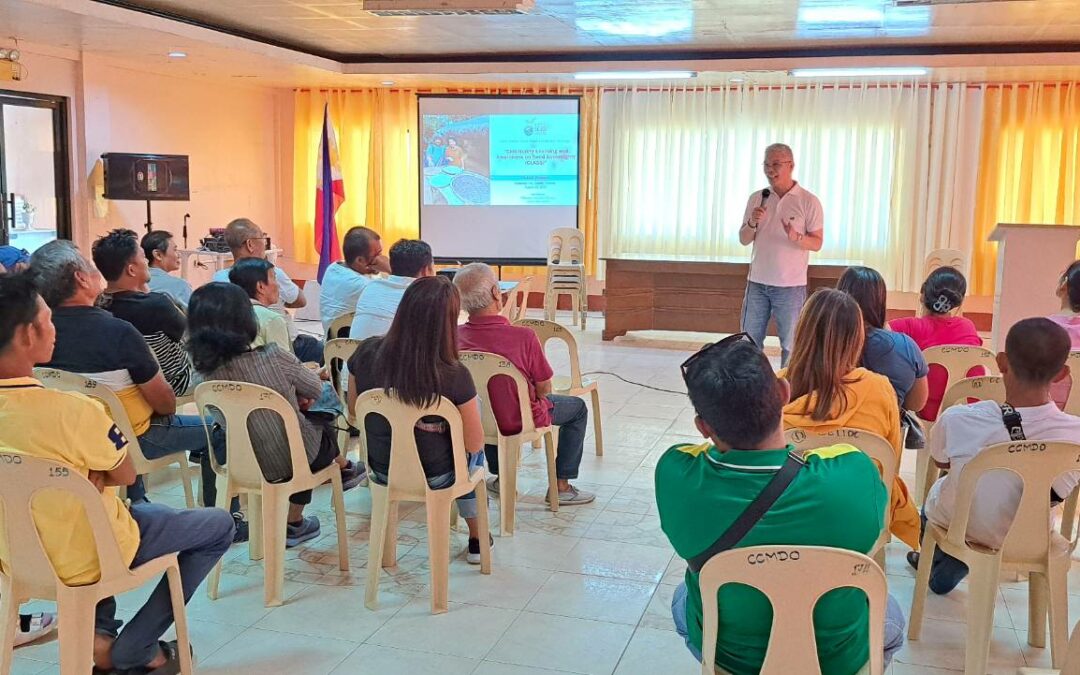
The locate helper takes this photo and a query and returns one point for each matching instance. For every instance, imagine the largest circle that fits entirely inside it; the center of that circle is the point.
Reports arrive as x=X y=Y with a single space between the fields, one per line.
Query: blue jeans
x=170 y=434
x=782 y=303
x=467 y=505
x=308 y=349
x=571 y=415
x=201 y=537
x=894 y=624
x=946 y=572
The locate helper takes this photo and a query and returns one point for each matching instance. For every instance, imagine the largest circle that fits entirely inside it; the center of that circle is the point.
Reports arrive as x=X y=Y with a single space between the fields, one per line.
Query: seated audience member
x=222 y=326
x=410 y=259
x=256 y=276
x=346 y=279
x=111 y=351
x=1068 y=318
x=418 y=361
x=246 y=240
x=830 y=391
x=941 y=296
x=13 y=259
x=486 y=331
x=75 y=430
x=894 y=355
x=837 y=499
x=155 y=315
x=164 y=258
x=1034 y=358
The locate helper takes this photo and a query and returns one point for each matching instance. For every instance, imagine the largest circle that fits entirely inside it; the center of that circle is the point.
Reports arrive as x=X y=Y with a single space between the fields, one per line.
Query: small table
x=217 y=261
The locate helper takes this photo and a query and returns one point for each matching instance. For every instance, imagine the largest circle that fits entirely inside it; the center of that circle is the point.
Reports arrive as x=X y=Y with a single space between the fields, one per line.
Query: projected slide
x=501 y=160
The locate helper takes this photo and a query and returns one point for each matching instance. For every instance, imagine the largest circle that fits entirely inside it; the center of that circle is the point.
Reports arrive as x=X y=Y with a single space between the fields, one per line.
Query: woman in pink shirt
x=1069 y=319
x=942 y=295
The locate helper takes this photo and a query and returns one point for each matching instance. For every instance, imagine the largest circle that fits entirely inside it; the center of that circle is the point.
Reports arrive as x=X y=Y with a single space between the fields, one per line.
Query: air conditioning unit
x=447 y=7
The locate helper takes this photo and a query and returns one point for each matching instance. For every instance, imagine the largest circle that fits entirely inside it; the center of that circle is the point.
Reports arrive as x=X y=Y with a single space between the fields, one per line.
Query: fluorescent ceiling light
x=652 y=26
x=841 y=14
x=859 y=72
x=387 y=83
x=177 y=55
x=637 y=75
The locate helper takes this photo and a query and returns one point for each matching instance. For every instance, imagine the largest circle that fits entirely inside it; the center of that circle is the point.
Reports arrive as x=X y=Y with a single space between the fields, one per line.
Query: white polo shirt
x=289 y=293
x=958 y=436
x=776 y=260
x=377 y=305
x=341 y=288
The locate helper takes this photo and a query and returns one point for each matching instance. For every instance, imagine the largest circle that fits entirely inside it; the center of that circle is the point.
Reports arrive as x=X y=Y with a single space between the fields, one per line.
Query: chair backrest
x=878 y=448
x=548 y=330
x=61 y=380
x=339 y=324
x=518 y=301
x=983 y=388
x=793 y=578
x=21 y=478
x=336 y=354
x=483 y=366
x=407 y=476
x=957 y=360
x=945 y=257
x=567 y=244
x=236 y=401
x=1037 y=464
x=1072 y=406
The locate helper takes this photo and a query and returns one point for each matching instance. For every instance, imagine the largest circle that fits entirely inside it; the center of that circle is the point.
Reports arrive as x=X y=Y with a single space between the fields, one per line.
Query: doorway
x=35 y=194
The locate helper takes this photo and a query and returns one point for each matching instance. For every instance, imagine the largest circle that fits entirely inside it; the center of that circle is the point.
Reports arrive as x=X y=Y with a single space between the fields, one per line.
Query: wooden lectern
x=1031 y=259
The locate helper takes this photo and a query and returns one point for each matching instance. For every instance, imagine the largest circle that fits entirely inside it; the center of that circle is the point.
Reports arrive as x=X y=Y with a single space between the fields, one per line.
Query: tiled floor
x=585 y=590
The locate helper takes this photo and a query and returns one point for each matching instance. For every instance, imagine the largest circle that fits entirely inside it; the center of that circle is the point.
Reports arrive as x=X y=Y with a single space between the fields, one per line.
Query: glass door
x=34 y=193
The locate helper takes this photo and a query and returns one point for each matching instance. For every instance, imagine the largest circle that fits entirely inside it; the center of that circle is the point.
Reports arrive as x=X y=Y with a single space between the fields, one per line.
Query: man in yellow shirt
x=75 y=430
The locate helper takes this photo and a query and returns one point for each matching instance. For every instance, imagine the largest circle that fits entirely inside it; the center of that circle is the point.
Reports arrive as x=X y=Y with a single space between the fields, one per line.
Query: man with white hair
x=487 y=331
x=784 y=223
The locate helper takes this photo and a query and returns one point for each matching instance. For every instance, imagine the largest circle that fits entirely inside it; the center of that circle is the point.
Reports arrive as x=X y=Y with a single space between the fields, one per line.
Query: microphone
x=188 y=215
x=764 y=196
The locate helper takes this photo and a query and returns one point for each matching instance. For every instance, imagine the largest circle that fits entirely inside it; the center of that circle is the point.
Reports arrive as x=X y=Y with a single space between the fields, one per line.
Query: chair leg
x=176 y=594
x=922 y=461
x=575 y=308
x=380 y=503
x=922 y=587
x=9 y=623
x=223 y=499
x=509 y=451
x=1068 y=516
x=389 y=556
x=1057 y=578
x=338 y=498
x=484 y=526
x=598 y=427
x=879 y=558
x=185 y=479
x=1037 y=609
x=76 y=627
x=551 y=446
x=982 y=589
x=438 y=523
x=256 y=526
x=275 y=514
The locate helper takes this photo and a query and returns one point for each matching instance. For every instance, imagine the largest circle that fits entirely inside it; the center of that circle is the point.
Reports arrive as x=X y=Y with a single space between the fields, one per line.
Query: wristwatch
x=751 y=225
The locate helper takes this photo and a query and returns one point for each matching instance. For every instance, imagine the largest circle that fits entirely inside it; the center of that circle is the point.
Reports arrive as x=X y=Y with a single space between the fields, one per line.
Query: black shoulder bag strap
x=753 y=513
x=1015 y=425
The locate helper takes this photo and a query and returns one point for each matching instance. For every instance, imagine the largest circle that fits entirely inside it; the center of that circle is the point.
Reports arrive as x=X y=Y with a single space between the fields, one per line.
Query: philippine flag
x=329 y=195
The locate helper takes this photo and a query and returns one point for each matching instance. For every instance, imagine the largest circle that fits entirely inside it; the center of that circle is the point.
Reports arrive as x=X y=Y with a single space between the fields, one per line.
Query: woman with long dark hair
x=894 y=355
x=417 y=360
x=829 y=390
x=222 y=326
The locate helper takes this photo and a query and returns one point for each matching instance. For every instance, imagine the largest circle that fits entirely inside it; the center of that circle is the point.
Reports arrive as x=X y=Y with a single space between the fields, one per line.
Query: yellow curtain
x=1028 y=169
x=376 y=131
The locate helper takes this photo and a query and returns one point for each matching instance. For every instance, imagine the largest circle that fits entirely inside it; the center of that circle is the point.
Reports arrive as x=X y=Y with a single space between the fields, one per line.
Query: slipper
x=170 y=667
x=34 y=627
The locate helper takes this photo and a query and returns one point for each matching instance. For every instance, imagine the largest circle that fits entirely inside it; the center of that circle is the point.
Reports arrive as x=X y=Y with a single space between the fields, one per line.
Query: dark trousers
x=946 y=572
x=308 y=349
x=571 y=415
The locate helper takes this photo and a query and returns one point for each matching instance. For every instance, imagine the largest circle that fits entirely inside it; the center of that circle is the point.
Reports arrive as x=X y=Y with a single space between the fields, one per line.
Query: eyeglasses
x=775 y=165
x=723 y=344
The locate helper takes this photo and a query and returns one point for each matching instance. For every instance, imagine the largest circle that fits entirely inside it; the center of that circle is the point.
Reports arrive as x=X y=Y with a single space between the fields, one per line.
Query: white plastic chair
x=518 y=301
x=483 y=366
x=408 y=483
x=945 y=257
x=879 y=450
x=1029 y=546
x=793 y=578
x=61 y=380
x=1071 y=666
x=268 y=502
x=566 y=274
x=573 y=385
x=339 y=324
x=336 y=355
x=29 y=574
x=1072 y=406
x=957 y=360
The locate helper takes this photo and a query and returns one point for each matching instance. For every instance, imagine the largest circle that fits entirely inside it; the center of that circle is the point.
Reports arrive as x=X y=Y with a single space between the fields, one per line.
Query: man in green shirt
x=836 y=500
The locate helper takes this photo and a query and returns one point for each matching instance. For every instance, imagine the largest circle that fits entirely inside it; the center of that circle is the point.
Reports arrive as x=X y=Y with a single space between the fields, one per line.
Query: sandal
x=34 y=627
x=170 y=667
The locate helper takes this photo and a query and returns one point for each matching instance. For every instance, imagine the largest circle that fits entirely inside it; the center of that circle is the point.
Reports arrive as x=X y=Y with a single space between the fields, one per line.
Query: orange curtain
x=377 y=141
x=1028 y=170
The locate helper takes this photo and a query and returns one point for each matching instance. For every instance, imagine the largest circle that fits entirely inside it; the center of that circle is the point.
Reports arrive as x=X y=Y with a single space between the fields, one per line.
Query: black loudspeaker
x=146 y=177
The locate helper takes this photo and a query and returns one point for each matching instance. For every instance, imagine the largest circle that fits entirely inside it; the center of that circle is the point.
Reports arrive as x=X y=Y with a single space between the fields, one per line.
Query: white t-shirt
x=377 y=305
x=960 y=433
x=289 y=293
x=341 y=288
x=776 y=260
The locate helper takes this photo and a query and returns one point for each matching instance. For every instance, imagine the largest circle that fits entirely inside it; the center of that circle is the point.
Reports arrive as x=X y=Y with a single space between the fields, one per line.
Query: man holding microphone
x=784 y=223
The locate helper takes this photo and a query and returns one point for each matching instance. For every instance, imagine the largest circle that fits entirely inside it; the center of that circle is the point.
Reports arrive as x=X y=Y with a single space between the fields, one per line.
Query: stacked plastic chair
x=566 y=273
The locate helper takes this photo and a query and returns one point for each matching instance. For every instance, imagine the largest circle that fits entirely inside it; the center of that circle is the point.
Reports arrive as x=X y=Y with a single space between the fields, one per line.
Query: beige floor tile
x=1016 y=600
x=909 y=669
x=657 y=652
x=258 y=652
x=381 y=660
x=332 y=612
x=658 y=614
x=630 y=528
x=589 y=597
x=240 y=600
x=207 y=637
x=950 y=607
x=613 y=559
x=533 y=549
x=942 y=646
x=21 y=666
x=495 y=668
x=562 y=643
x=464 y=630
x=507 y=587
x=651 y=411
x=675 y=573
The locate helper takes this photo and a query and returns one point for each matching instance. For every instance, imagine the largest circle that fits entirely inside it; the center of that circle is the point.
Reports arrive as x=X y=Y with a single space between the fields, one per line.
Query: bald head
x=245 y=239
x=479 y=289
